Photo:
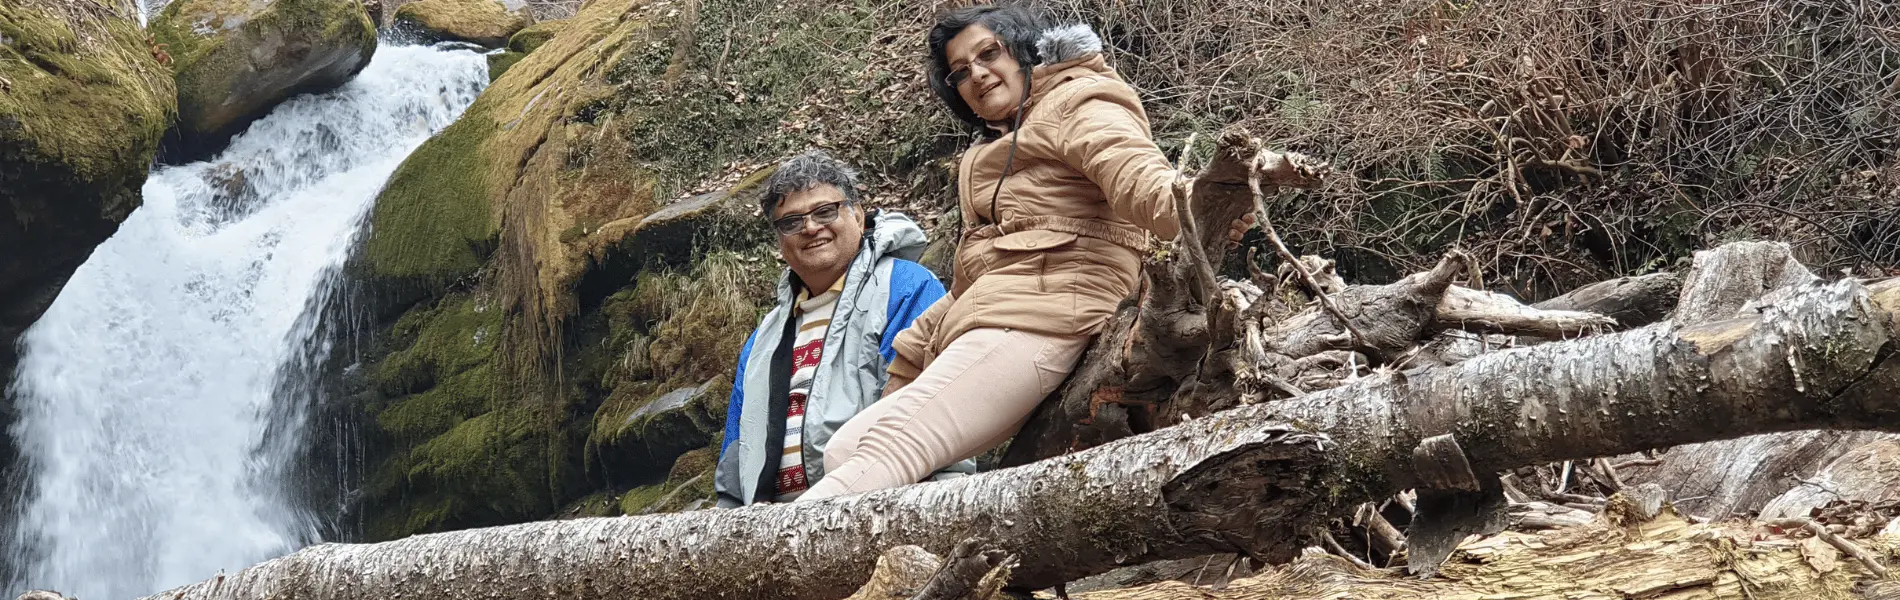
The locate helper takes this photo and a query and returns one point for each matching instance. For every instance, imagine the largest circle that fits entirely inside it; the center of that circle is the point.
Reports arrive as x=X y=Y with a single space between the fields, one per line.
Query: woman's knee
x=843 y=444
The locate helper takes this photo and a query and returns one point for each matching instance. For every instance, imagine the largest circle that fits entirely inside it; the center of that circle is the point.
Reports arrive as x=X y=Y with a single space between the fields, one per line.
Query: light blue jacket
x=884 y=290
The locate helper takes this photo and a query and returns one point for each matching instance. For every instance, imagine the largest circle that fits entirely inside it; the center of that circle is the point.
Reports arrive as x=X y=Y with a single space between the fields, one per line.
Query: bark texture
x=1666 y=558
x=1656 y=554
x=1741 y=475
x=1869 y=473
x=1250 y=480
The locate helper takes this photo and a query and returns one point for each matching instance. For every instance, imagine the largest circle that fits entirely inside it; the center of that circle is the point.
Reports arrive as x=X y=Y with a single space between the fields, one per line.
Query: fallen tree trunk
x=1740 y=476
x=1250 y=480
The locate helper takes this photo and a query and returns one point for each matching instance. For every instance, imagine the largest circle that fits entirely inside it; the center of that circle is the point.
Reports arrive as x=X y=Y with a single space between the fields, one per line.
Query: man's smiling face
x=820 y=253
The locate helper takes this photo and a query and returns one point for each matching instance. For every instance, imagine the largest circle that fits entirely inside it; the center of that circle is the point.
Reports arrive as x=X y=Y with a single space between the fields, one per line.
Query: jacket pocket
x=1034 y=240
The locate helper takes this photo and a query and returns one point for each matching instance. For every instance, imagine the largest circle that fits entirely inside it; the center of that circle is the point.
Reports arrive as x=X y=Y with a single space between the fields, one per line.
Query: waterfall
x=153 y=429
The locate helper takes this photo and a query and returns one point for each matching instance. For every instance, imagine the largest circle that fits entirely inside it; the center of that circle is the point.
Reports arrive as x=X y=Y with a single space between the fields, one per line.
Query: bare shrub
x=1559 y=141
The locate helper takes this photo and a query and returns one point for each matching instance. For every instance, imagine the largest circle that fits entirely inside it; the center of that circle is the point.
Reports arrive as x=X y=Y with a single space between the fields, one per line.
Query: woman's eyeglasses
x=988 y=55
x=792 y=224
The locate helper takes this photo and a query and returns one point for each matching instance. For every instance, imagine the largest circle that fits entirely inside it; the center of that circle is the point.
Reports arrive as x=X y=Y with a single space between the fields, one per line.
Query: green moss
x=455 y=335
x=83 y=104
x=690 y=480
x=533 y=36
x=636 y=500
x=434 y=221
x=420 y=515
x=684 y=329
x=461 y=457
x=483 y=22
x=494 y=466
x=499 y=63
x=215 y=46
x=435 y=411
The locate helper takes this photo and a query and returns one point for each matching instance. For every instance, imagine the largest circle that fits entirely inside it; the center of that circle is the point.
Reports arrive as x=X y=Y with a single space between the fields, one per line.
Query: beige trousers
x=975 y=395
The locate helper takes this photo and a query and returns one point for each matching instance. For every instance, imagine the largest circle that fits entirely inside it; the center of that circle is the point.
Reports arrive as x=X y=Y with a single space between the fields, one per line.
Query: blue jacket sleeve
x=737 y=401
x=913 y=289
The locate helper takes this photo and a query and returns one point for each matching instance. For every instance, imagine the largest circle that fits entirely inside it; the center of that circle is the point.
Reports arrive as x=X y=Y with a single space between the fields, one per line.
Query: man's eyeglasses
x=823 y=215
x=988 y=55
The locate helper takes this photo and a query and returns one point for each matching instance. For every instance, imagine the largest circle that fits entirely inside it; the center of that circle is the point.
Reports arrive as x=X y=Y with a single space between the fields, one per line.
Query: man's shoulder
x=907 y=274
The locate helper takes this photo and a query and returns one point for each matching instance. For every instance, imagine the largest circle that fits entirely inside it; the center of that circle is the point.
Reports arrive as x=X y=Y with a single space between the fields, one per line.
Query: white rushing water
x=146 y=392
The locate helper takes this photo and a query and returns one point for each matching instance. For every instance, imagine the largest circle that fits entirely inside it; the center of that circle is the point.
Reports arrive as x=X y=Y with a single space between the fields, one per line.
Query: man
x=819 y=356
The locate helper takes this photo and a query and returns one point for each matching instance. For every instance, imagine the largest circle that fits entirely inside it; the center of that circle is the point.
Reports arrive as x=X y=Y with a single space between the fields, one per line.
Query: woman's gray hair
x=805 y=171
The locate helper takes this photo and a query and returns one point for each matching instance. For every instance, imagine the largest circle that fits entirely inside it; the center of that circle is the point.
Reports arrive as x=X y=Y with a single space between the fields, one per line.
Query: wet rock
x=483 y=22
x=235 y=61
x=533 y=36
x=657 y=434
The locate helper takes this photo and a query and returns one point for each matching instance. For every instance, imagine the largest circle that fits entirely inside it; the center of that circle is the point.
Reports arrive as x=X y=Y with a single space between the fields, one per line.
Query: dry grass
x=1561 y=141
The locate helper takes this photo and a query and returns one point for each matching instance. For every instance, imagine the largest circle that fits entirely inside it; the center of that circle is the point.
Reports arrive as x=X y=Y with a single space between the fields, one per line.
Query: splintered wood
x=1668 y=558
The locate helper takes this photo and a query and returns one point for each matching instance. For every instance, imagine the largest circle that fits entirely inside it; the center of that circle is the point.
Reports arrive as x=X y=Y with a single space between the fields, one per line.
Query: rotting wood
x=1668 y=557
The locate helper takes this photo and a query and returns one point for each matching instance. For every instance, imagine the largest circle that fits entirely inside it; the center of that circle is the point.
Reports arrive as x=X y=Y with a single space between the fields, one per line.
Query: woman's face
x=983 y=72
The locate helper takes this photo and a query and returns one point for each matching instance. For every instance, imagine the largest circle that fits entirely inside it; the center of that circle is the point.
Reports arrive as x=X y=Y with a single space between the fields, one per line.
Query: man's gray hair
x=805 y=171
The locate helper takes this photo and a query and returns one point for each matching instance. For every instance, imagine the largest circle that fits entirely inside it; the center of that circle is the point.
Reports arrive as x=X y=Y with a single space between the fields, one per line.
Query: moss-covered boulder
x=688 y=486
x=533 y=36
x=522 y=43
x=482 y=22
x=84 y=101
x=498 y=63
x=672 y=339
x=235 y=60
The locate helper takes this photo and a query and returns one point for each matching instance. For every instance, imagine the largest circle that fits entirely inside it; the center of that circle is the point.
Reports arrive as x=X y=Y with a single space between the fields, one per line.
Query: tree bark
x=1658 y=554
x=1665 y=558
x=1249 y=480
x=1741 y=475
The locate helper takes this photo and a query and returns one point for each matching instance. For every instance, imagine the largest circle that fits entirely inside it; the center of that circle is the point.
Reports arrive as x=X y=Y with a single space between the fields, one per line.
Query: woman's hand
x=1291 y=169
x=1239 y=229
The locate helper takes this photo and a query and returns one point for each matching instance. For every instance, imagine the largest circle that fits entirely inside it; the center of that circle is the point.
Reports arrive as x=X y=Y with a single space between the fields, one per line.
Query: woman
x=1058 y=198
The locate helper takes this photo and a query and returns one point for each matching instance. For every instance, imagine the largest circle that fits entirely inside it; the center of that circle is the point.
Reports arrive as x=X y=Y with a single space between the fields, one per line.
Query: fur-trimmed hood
x=1067 y=52
x=1067 y=43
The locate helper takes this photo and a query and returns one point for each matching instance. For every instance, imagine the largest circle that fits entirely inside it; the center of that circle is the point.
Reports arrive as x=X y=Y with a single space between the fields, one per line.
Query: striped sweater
x=814 y=319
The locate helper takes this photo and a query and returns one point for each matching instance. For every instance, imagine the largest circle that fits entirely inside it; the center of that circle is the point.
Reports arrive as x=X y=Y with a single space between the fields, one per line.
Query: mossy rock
x=434 y=223
x=487 y=470
x=84 y=103
x=533 y=36
x=445 y=375
x=687 y=485
x=498 y=63
x=235 y=60
x=676 y=333
x=482 y=22
x=667 y=423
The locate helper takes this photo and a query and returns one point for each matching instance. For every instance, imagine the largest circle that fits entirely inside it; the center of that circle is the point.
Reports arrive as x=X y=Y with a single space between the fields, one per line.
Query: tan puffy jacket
x=1064 y=246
